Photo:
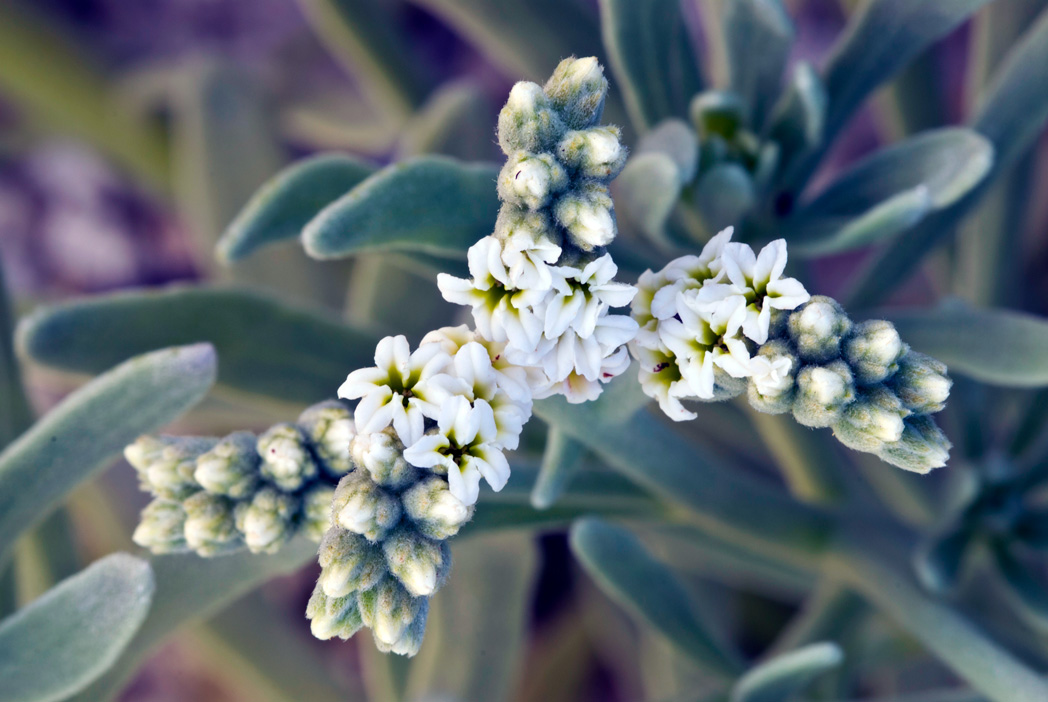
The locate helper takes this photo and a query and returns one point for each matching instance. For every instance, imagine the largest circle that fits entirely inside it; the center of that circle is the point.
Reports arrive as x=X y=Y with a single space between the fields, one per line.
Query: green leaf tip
x=778 y=679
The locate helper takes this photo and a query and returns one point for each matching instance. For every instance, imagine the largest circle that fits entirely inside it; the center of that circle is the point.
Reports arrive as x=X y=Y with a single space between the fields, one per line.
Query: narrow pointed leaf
x=623 y=568
x=266 y=347
x=652 y=58
x=455 y=121
x=285 y=204
x=65 y=639
x=430 y=204
x=560 y=463
x=1024 y=590
x=991 y=345
x=798 y=119
x=884 y=221
x=785 y=675
x=15 y=413
x=93 y=425
x=938 y=562
x=756 y=75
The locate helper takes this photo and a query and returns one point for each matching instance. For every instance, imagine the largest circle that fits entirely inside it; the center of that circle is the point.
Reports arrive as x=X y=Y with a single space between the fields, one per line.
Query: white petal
x=361 y=382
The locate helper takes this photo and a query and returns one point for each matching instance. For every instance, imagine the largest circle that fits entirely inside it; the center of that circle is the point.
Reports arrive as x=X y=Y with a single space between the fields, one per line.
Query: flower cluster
x=214 y=496
x=726 y=322
x=542 y=284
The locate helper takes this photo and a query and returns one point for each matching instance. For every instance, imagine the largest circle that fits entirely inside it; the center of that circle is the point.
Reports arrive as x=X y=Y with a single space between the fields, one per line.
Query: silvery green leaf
x=882 y=222
x=758 y=36
x=938 y=562
x=627 y=573
x=286 y=203
x=72 y=634
x=266 y=347
x=798 y=119
x=674 y=138
x=190 y=588
x=432 y=204
x=881 y=39
x=783 y=676
x=652 y=58
x=994 y=346
x=1026 y=592
x=15 y=413
x=560 y=463
x=92 y=425
x=724 y=194
x=647 y=191
x=455 y=121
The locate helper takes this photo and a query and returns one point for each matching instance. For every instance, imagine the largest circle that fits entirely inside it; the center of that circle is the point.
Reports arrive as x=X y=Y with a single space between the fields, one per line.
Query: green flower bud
x=588 y=215
x=316 y=510
x=231 y=467
x=817 y=328
x=389 y=610
x=921 y=383
x=528 y=121
x=921 y=448
x=717 y=114
x=382 y=455
x=330 y=428
x=420 y=564
x=873 y=420
x=267 y=521
x=286 y=459
x=518 y=220
x=772 y=386
x=211 y=528
x=348 y=563
x=165 y=464
x=333 y=616
x=162 y=527
x=531 y=180
x=363 y=507
x=435 y=511
x=577 y=89
x=822 y=393
x=411 y=641
x=593 y=153
x=873 y=350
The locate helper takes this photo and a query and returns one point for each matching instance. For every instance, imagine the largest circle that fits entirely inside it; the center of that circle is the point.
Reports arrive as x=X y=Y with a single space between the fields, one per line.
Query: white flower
x=688 y=273
x=759 y=278
x=395 y=390
x=528 y=255
x=464 y=446
x=771 y=376
x=660 y=379
x=582 y=295
x=572 y=353
x=578 y=388
x=516 y=380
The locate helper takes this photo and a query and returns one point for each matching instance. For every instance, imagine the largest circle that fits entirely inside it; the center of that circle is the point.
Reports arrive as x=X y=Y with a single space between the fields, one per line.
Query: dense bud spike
x=528 y=121
x=577 y=89
x=873 y=350
x=921 y=383
x=822 y=393
x=165 y=464
x=162 y=527
x=210 y=527
x=363 y=507
x=330 y=428
x=817 y=328
x=286 y=459
x=267 y=521
x=230 y=467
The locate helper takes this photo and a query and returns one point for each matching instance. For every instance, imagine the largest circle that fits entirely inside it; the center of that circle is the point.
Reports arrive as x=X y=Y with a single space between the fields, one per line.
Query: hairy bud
x=593 y=153
x=382 y=455
x=822 y=393
x=874 y=419
x=165 y=464
x=363 y=507
x=231 y=467
x=435 y=511
x=531 y=180
x=348 y=563
x=921 y=383
x=316 y=510
x=162 y=527
x=267 y=520
x=921 y=448
x=772 y=386
x=286 y=460
x=333 y=616
x=210 y=527
x=330 y=428
x=420 y=564
x=817 y=329
x=577 y=89
x=873 y=350
x=588 y=216
x=528 y=121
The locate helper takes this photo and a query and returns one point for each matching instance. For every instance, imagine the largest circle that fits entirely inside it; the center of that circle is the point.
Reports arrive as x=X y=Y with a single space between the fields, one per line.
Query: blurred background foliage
x=133 y=135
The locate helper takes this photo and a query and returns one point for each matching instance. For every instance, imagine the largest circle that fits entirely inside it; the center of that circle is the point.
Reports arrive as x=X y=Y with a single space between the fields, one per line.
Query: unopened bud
x=330 y=428
x=411 y=641
x=873 y=420
x=593 y=153
x=822 y=393
x=921 y=448
x=333 y=616
x=348 y=563
x=382 y=455
x=528 y=121
x=267 y=520
x=316 y=510
x=363 y=507
x=419 y=563
x=435 y=511
x=588 y=216
x=162 y=527
x=873 y=350
x=773 y=378
x=231 y=467
x=921 y=383
x=286 y=460
x=210 y=525
x=388 y=609
x=577 y=89
x=817 y=329
x=165 y=464
x=531 y=180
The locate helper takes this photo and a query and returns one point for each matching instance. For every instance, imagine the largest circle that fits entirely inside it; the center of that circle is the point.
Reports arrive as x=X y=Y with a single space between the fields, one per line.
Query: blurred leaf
x=68 y=637
x=362 y=36
x=560 y=463
x=265 y=347
x=1024 y=590
x=647 y=191
x=991 y=345
x=724 y=194
x=628 y=574
x=190 y=588
x=808 y=463
x=15 y=414
x=56 y=87
x=756 y=75
x=781 y=677
x=92 y=425
x=46 y=555
x=939 y=560
x=286 y=203
x=884 y=221
x=455 y=121
x=881 y=39
x=798 y=119
x=482 y=615
x=830 y=613
x=677 y=139
x=652 y=57
x=431 y=204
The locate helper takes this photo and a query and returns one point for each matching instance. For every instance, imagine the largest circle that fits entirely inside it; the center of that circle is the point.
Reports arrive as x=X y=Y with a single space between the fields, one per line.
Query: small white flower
x=582 y=295
x=689 y=273
x=660 y=379
x=706 y=335
x=516 y=380
x=528 y=255
x=464 y=446
x=572 y=353
x=771 y=376
x=395 y=390
x=759 y=277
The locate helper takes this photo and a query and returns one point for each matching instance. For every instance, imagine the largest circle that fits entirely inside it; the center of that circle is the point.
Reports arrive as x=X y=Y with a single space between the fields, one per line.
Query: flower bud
x=822 y=393
x=817 y=329
x=873 y=351
x=210 y=525
x=593 y=153
x=421 y=565
x=874 y=419
x=348 y=563
x=316 y=510
x=330 y=428
x=411 y=641
x=286 y=459
x=231 y=467
x=531 y=180
x=333 y=616
x=921 y=448
x=921 y=383
x=267 y=520
x=162 y=527
x=435 y=511
x=382 y=455
x=577 y=89
x=388 y=609
x=528 y=121
x=536 y=226
x=165 y=464
x=363 y=507
x=773 y=380
x=588 y=216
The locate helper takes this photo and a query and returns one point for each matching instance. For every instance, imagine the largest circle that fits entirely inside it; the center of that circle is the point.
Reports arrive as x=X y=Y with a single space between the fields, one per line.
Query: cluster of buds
x=726 y=322
x=542 y=284
x=214 y=496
